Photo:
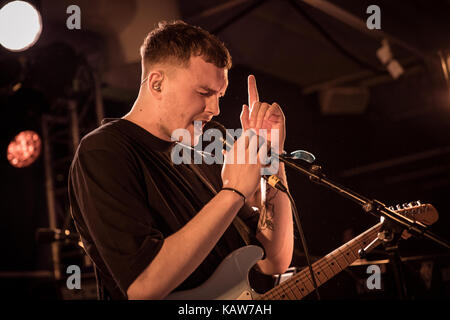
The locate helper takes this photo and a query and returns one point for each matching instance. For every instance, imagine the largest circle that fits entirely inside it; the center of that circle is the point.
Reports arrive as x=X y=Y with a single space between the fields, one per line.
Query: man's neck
x=144 y=117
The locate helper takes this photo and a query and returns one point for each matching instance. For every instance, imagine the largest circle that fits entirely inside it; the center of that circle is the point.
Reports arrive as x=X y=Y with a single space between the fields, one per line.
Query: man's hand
x=239 y=171
x=260 y=115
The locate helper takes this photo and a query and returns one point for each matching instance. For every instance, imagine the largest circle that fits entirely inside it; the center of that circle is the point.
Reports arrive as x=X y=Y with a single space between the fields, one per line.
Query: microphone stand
x=391 y=248
x=372 y=206
x=392 y=228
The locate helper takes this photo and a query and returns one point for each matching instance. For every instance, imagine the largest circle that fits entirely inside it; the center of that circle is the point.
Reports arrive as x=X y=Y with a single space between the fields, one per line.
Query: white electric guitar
x=230 y=280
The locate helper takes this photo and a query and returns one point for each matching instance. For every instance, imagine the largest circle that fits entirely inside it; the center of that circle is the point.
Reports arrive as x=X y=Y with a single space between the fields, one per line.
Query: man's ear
x=155 y=82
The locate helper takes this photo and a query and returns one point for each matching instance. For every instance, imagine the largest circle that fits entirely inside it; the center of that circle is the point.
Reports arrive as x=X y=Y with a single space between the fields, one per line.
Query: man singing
x=150 y=226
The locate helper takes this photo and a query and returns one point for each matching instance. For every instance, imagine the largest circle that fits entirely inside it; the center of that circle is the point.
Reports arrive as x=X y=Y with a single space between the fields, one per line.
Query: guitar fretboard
x=300 y=284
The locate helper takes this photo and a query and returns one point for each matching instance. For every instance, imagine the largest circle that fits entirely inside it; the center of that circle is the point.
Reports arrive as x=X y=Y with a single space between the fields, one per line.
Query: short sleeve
x=111 y=202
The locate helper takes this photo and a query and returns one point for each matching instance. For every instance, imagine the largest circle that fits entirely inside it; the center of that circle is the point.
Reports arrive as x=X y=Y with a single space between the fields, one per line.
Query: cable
x=302 y=237
x=278 y=184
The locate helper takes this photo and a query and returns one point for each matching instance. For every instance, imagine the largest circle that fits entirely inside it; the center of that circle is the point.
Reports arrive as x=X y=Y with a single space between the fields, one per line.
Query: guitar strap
x=241 y=227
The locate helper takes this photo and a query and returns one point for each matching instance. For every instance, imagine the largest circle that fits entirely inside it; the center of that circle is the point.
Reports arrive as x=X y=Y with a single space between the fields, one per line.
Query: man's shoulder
x=107 y=137
x=104 y=147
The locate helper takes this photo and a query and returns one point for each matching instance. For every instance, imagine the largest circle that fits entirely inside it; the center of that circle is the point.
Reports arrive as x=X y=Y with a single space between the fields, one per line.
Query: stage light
x=20 y=25
x=24 y=149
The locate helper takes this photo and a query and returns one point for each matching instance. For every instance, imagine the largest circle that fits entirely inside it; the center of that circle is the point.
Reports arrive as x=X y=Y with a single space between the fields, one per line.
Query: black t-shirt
x=127 y=196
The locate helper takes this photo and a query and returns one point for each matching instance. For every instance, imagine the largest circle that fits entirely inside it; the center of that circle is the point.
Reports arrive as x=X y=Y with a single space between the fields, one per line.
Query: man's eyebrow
x=210 y=90
x=206 y=88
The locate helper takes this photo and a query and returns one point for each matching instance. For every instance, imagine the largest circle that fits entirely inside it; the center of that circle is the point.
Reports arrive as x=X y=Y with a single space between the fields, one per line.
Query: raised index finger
x=252 y=91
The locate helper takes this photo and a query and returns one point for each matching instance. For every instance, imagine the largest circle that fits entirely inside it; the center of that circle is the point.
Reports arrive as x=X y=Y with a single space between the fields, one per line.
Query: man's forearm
x=183 y=251
x=275 y=229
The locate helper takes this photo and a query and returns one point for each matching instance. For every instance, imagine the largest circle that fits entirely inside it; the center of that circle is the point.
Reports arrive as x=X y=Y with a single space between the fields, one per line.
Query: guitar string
x=351 y=248
x=356 y=243
x=320 y=266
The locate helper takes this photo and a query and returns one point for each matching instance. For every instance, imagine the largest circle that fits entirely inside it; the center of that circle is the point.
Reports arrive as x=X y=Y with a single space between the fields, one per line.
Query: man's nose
x=213 y=106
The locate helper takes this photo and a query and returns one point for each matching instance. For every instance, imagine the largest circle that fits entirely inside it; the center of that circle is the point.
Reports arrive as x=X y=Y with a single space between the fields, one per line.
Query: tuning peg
x=398 y=207
x=416 y=203
x=391 y=208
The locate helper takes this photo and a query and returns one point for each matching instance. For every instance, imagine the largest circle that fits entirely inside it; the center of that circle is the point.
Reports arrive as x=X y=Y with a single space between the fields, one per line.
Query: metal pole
x=358 y=24
x=395 y=162
x=237 y=17
x=74 y=128
x=216 y=9
x=445 y=67
x=50 y=192
x=98 y=98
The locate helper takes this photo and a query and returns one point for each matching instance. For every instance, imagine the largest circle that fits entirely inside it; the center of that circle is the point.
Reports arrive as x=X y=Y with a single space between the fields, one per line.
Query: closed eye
x=210 y=93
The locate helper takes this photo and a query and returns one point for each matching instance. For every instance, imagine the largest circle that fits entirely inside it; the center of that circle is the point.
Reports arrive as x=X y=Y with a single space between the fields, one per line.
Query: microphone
x=272 y=180
x=302 y=155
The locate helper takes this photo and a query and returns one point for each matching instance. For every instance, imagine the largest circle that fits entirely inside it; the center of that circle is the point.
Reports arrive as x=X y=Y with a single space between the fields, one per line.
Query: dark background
x=395 y=149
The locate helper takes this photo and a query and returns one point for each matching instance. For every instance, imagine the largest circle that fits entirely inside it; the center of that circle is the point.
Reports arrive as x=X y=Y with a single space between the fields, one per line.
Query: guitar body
x=229 y=281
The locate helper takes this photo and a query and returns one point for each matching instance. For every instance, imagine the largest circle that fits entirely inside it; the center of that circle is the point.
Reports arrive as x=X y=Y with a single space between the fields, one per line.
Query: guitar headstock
x=416 y=211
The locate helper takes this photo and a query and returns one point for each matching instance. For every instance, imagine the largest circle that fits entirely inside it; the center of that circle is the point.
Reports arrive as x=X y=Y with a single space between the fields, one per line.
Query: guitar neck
x=300 y=284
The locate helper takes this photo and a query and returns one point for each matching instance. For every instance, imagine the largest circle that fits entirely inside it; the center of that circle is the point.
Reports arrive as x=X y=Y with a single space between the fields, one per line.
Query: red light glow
x=24 y=149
